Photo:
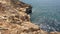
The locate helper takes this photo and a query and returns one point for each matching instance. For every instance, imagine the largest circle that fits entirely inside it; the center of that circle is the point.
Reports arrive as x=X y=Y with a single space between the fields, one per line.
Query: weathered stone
x=15 y=19
x=54 y=32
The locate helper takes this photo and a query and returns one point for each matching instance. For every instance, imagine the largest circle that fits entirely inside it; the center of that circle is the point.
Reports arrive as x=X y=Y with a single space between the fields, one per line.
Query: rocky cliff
x=15 y=19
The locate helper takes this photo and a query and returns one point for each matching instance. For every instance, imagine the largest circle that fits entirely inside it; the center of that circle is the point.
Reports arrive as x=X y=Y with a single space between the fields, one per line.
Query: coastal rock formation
x=15 y=19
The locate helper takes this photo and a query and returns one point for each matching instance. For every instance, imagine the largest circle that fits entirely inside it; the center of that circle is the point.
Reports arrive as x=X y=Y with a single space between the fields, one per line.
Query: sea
x=45 y=13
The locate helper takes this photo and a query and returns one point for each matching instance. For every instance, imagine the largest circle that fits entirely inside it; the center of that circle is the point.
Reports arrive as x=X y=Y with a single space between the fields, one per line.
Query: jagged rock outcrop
x=14 y=19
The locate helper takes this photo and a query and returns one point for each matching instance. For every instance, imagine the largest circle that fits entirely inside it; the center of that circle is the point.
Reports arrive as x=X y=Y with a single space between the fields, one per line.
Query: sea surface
x=45 y=13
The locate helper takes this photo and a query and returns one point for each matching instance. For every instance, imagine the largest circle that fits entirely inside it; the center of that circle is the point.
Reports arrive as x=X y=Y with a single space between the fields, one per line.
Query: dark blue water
x=46 y=13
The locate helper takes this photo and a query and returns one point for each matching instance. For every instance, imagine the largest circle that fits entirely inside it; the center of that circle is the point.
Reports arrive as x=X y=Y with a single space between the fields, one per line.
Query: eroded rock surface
x=15 y=19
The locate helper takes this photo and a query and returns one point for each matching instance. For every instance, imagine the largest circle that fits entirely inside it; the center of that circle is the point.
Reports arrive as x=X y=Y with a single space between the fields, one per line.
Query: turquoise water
x=45 y=13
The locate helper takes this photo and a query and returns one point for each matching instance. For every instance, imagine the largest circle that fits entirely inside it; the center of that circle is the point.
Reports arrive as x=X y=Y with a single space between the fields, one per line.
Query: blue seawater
x=45 y=13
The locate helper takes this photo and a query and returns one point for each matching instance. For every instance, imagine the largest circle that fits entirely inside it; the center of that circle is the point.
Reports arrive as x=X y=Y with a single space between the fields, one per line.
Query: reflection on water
x=46 y=13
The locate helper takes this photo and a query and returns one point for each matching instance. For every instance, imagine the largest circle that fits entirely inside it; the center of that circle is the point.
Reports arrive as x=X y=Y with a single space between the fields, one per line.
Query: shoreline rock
x=15 y=19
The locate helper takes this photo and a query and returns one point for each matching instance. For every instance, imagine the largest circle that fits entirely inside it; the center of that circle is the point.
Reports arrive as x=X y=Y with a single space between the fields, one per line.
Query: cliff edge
x=15 y=19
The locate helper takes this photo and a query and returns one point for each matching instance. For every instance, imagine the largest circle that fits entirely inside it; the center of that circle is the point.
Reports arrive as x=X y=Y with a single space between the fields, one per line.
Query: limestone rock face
x=15 y=19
